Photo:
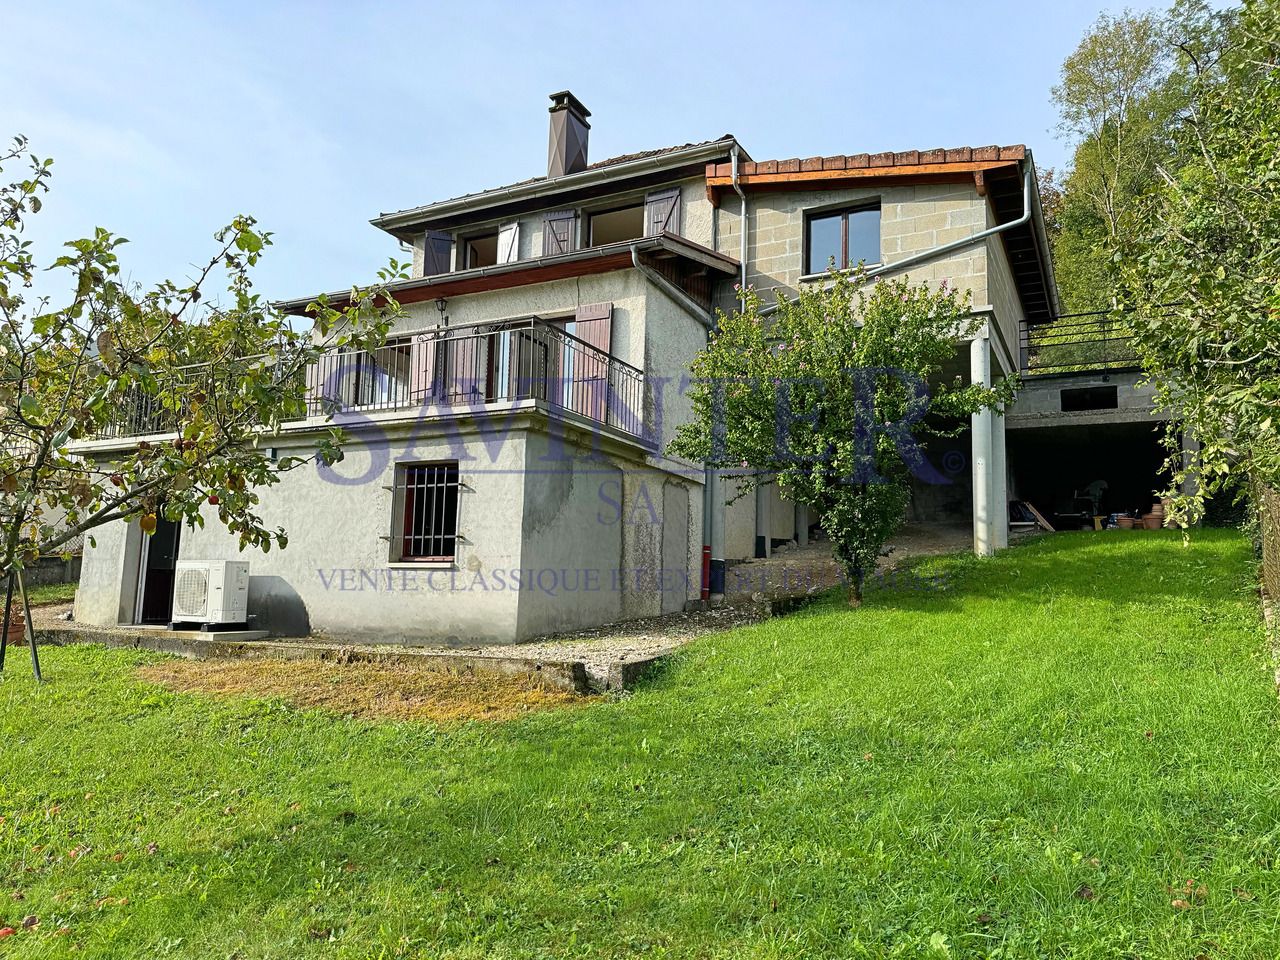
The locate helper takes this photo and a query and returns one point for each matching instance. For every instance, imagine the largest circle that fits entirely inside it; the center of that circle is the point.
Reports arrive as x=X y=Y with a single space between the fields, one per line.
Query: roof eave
x=668 y=242
x=395 y=223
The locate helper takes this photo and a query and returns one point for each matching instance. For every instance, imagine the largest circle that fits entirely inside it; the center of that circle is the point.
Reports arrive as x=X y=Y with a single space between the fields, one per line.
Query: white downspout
x=763 y=531
x=714 y=503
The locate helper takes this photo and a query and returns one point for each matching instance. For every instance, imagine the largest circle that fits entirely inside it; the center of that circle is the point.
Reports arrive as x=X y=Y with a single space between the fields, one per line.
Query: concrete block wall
x=1039 y=402
x=913 y=218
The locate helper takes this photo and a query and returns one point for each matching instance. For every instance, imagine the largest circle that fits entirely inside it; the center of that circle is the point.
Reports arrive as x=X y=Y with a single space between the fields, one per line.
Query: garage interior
x=1060 y=470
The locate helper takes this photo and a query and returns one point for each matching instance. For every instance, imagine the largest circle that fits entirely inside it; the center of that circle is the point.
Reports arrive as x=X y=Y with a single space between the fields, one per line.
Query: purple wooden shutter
x=592 y=324
x=662 y=212
x=422 y=370
x=559 y=233
x=437 y=253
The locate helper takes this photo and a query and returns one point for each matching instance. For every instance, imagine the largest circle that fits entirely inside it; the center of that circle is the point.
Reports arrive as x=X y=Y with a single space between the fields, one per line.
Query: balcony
x=466 y=367
x=1077 y=345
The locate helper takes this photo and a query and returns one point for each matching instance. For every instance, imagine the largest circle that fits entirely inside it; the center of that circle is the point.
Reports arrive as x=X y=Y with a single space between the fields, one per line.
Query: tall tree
x=1122 y=96
x=1202 y=269
x=216 y=374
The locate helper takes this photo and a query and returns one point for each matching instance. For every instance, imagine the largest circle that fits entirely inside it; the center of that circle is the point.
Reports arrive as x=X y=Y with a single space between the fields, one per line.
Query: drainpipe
x=707 y=320
x=742 y=225
x=763 y=533
x=713 y=497
x=1028 y=184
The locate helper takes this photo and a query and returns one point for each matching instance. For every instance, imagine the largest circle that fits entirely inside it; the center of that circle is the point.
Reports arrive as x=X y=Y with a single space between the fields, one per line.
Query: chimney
x=567 y=147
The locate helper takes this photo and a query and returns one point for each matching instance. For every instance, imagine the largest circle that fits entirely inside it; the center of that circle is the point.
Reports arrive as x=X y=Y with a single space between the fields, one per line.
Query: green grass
x=48 y=593
x=941 y=772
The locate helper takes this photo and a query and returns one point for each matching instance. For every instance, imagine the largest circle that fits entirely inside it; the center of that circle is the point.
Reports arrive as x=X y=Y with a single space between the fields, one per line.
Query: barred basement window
x=427 y=512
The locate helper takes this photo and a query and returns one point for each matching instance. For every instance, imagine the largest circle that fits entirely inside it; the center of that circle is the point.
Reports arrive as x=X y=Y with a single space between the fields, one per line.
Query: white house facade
x=507 y=476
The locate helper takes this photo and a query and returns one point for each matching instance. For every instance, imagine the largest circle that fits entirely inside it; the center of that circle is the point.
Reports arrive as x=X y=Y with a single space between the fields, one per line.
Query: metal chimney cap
x=565 y=100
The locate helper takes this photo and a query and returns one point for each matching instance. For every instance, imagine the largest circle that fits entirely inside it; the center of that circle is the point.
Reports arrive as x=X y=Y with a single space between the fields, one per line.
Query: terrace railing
x=482 y=364
x=1077 y=345
x=140 y=412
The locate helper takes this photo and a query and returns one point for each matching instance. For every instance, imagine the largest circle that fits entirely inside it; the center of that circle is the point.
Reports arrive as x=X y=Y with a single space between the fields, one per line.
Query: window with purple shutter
x=559 y=233
x=437 y=253
x=662 y=212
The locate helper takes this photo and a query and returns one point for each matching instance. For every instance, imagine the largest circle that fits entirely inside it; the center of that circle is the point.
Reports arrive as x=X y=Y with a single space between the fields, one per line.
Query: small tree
x=223 y=375
x=830 y=396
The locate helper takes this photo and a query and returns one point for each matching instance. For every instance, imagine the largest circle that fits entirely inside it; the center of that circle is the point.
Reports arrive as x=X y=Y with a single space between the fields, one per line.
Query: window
x=427 y=511
x=1089 y=398
x=614 y=226
x=482 y=251
x=848 y=237
x=559 y=232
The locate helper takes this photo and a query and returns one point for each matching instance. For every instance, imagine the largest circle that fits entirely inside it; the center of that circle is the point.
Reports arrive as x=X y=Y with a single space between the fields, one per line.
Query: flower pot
x=1125 y=523
x=1152 y=522
x=17 y=630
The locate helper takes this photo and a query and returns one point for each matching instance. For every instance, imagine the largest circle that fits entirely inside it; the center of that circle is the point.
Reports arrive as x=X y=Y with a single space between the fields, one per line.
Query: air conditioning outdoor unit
x=211 y=592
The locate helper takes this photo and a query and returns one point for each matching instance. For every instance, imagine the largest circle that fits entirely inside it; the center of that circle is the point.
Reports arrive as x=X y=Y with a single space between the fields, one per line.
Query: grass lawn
x=1068 y=750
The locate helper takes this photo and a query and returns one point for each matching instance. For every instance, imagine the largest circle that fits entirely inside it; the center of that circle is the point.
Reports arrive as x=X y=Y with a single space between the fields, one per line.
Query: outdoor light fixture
x=441 y=303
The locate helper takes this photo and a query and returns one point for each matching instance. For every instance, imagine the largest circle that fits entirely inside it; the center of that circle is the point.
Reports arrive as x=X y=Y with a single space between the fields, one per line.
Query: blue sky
x=165 y=119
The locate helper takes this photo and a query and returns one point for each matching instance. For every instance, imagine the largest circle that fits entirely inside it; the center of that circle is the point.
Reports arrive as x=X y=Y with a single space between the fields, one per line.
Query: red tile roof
x=905 y=162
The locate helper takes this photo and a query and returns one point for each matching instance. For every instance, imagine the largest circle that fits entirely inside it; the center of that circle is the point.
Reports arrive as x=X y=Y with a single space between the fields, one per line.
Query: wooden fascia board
x=920 y=172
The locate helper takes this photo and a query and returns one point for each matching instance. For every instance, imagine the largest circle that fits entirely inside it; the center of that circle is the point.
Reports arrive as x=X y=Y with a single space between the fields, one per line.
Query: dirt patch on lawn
x=366 y=690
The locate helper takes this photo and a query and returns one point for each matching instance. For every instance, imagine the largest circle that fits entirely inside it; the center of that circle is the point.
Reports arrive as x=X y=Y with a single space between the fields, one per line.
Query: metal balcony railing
x=481 y=364
x=1078 y=346
x=140 y=412
x=470 y=366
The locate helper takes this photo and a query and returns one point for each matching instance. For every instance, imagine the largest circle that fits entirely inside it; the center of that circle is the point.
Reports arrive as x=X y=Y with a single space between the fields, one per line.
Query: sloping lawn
x=1069 y=750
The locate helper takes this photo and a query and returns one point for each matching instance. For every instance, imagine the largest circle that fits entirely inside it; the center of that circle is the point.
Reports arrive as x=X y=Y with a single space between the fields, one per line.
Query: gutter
x=1028 y=184
x=666 y=241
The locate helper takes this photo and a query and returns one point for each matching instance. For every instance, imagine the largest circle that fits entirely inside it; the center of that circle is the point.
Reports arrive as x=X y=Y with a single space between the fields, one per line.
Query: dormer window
x=489 y=249
x=848 y=237
x=482 y=251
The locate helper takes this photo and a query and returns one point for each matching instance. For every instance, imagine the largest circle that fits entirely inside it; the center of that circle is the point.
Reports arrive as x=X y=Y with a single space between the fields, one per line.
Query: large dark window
x=847 y=237
x=427 y=498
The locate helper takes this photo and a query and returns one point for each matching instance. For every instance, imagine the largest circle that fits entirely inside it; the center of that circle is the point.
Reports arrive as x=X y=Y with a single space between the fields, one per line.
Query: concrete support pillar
x=1000 y=482
x=982 y=435
x=763 y=538
x=802 y=525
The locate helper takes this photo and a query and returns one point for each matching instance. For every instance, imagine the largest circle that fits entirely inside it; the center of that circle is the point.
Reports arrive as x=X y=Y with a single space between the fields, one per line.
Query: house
x=507 y=475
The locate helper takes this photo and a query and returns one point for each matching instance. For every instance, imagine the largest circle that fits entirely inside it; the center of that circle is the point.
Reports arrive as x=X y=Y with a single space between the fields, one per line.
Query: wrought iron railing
x=481 y=364
x=471 y=366
x=1077 y=346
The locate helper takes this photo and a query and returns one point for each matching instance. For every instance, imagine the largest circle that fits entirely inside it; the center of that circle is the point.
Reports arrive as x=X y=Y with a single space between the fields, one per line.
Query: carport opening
x=1073 y=473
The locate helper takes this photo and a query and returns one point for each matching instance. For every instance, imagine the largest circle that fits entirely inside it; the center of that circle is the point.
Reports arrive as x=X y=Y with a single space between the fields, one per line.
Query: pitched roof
x=534 y=184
